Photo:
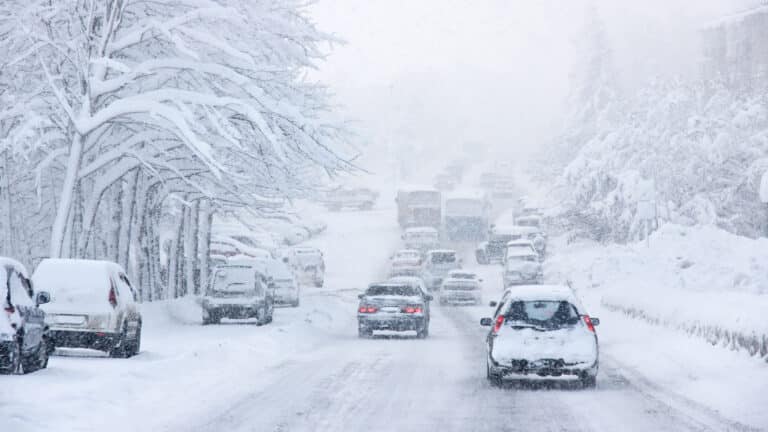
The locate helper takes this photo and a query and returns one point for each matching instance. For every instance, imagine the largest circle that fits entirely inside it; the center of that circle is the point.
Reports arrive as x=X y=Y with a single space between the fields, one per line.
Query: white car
x=437 y=264
x=406 y=262
x=287 y=290
x=541 y=332
x=93 y=305
x=514 y=246
x=308 y=265
x=461 y=287
x=522 y=268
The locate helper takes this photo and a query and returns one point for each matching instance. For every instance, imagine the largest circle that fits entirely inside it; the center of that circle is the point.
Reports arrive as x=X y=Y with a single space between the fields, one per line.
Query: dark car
x=239 y=290
x=25 y=342
x=393 y=306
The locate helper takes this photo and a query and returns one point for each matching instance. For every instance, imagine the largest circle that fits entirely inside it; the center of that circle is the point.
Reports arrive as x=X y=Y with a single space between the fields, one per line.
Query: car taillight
x=499 y=322
x=367 y=309
x=588 y=322
x=413 y=309
x=112 y=297
x=10 y=309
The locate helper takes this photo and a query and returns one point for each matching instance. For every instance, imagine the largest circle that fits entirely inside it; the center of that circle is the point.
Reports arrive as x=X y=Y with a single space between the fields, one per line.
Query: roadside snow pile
x=701 y=280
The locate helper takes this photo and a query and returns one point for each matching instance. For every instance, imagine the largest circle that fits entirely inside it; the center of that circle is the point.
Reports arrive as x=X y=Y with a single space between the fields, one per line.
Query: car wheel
x=364 y=332
x=120 y=349
x=295 y=303
x=136 y=345
x=423 y=333
x=14 y=361
x=494 y=379
x=589 y=382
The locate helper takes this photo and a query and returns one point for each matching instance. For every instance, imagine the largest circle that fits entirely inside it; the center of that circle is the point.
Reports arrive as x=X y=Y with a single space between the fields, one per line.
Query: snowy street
x=308 y=371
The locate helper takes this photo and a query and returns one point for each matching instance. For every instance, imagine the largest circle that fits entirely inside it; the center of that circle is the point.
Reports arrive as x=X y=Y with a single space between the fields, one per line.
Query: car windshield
x=392 y=290
x=234 y=279
x=547 y=314
x=532 y=222
x=463 y=275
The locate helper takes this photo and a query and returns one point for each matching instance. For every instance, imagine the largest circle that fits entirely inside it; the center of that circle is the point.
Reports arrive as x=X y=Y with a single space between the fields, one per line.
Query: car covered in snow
x=492 y=250
x=406 y=262
x=356 y=198
x=522 y=267
x=93 y=305
x=437 y=264
x=541 y=332
x=421 y=238
x=287 y=289
x=238 y=290
x=393 y=306
x=519 y=245
x=308 y=265
x=25 y=341
x=461 y=287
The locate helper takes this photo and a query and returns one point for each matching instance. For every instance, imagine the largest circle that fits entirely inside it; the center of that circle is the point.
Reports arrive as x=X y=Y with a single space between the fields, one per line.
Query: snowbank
x=701 y=280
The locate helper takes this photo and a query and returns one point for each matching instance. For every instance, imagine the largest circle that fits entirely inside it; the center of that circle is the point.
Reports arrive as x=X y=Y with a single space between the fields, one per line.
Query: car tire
x=423 y=333
x=36 y=361
x=589 y=382
x=295 y=303
x=136 y=345
x=120 y=349
x=481 y=258
x=14 y=366
x=493 y=379
x=364 y=332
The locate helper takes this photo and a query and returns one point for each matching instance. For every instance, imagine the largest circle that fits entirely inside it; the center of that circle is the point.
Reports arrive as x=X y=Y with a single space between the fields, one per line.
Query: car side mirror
x=486 y=322
x=42 y=297
x=429 y=297
x=479 y=280
x=493 y=304
x=360 y=296
x=595 y=321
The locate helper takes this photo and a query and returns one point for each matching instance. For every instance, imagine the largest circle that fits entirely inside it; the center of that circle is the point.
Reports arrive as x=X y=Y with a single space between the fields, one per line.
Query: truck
x=419 y=206
x=467 y=215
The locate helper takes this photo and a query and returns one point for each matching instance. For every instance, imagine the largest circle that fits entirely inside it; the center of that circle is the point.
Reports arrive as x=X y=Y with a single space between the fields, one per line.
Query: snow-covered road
x=308 y=371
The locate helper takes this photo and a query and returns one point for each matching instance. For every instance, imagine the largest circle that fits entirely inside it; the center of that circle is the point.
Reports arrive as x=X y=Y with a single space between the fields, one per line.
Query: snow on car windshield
x=391 y=290
x=543 y=313
x=234 y=279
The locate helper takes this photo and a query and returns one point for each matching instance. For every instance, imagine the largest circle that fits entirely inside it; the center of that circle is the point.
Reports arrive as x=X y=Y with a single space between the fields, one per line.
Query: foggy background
x=423 y=79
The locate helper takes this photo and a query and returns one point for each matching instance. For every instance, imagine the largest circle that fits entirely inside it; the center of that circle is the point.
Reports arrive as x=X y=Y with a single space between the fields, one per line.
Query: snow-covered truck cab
x=308 y=265
x=541 y=332
x=522 y=267
x=492 y=250
x=421 y=238
x=437 y=264
x=93 y=305
x=238 y=290
x=24 y=337
x=419 y=206
x=461 y=287
x=467 y=215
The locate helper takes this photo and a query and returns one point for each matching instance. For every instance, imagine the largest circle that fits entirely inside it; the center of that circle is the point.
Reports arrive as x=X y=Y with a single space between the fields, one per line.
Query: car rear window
x=391 y=290
x=234 y=279
x=547 y=314
x=443 y=257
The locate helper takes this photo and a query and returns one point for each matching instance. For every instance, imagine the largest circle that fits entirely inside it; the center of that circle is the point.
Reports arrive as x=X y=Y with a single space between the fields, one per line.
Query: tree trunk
x=191 y=234
x=59 y=229
x=206 y=219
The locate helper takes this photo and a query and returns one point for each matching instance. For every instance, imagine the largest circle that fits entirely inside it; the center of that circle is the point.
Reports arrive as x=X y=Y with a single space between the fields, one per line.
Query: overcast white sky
x=440 y=74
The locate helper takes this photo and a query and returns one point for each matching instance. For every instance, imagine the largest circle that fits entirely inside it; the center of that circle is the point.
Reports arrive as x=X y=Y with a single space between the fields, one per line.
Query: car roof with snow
x=416 y=188
x=306 y=249
x=459 y=272
x=520 y=242
x=542 y=293
x=408 y=252
x=441 y=251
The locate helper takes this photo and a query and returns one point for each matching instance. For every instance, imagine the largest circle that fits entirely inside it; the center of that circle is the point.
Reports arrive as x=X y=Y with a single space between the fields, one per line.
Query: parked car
x=238 y=290
x=25 y=341
x=522 y=267
x=461 y=287
x=515 y=246
x=393 y=306
x=541 y=332
x=421 y=238
x=308 y=265
x=358 y=198
x=437 y=264
x=287 y=290
x=406 y=262
x=93 y=305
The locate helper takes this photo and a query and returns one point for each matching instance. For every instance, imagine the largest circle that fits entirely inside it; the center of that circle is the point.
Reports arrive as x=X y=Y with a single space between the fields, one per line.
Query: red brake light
x=10 y=309
x=413 y=309
x=367 y=309
x=112 y=297
x=499 y=322
x=588 y=322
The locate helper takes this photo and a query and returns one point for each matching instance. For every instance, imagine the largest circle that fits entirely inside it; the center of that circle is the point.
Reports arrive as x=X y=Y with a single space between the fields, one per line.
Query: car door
x=32 y=316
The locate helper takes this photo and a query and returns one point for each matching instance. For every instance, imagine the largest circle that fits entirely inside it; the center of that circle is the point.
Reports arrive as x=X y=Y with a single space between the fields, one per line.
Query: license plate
x=69 y=319
x=390 y=309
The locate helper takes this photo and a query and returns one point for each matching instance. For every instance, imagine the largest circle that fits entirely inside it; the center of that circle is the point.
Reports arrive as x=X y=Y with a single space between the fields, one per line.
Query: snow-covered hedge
x=701 y=280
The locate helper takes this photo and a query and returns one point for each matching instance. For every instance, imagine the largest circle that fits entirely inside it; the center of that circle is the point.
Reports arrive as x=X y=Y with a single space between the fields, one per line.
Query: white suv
x=93 y=305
